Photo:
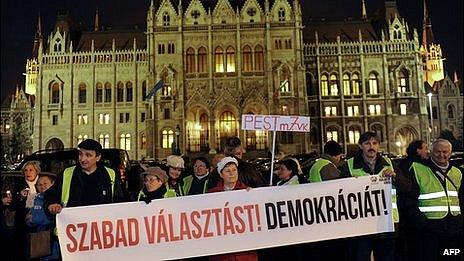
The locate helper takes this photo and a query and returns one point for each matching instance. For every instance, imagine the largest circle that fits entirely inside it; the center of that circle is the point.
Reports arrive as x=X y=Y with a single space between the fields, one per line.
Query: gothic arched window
x=324 y=85
x=373 y=84
x=346 y=84
x=355 y=84
x=247 y=59
x=129 y=91
x=107 y=92
x=202 y=62
x=259 y=58
x=99 y=93
x=167 y=138
x=190 y=60
x=403 y=81
x=333 y=85
x=120 y=92
x=82 y=93
x=219 y=59
x=230 y=59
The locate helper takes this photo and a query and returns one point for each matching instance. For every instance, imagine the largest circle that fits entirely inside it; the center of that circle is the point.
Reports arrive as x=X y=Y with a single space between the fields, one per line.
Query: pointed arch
x=247 y=59
x=190 y=60
x=259 y=58
x=230 y=59
x=219 y=59
x=202 y=60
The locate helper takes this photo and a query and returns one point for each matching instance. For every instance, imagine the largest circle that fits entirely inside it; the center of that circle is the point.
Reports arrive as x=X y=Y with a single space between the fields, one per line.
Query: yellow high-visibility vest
x=434 y=200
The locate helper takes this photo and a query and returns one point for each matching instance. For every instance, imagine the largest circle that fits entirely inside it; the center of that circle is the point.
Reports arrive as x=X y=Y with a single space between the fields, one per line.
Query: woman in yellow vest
x=154 y=185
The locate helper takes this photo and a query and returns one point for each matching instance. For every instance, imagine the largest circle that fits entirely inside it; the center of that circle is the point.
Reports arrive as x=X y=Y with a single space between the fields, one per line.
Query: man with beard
x=368 y=161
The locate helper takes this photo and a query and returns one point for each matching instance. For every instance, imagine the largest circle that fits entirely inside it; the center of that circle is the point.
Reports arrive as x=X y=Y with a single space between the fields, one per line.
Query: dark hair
x=332 y=148
x=413 y=147
x=202 y=159
x=50 y=177
x=291 y=165
x=367 y=136
x=231 y=144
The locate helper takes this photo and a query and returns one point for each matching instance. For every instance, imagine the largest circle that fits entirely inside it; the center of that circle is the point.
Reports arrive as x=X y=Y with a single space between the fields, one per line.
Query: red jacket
x=237 y=256
x=220 y=186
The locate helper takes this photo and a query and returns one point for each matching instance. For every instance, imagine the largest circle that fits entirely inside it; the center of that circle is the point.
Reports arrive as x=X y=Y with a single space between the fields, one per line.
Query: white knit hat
x=221 y=164
x=175 y=161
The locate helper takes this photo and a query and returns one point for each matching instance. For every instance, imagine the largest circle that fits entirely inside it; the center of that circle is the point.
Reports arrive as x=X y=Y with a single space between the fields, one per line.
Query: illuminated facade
x=219 y=60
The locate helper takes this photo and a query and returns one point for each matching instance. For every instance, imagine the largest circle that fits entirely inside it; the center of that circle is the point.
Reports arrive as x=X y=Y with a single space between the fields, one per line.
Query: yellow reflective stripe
x=434 y=209
x=455 y=208
x=394 y=205
x=432 y=195
x=452 y=193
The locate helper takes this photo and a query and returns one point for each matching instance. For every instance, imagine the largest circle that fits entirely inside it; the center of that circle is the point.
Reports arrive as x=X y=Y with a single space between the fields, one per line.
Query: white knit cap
x=221 y=164
x=175 y=161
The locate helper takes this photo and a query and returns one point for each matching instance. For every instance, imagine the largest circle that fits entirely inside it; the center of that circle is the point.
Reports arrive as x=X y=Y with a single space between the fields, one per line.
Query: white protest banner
x=275 y=122
x=226 y=222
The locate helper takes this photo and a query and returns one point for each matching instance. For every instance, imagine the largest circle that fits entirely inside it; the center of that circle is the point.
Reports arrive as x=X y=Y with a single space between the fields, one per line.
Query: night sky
x=19 y=22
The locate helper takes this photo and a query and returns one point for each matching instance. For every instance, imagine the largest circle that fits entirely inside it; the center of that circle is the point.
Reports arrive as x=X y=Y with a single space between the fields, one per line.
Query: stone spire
x=37 y=39
x=427 y=34
x=363 y=10
x=97 y=26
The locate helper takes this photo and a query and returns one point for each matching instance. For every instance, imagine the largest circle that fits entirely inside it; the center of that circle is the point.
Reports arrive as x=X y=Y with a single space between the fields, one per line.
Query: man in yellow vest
x=87 y=183
x=433 y=211
x=326 y=167
x=368 y=161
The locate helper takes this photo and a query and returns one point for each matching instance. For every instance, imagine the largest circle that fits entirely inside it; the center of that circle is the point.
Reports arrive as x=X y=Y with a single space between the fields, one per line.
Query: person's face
x=88 y=159
x=199 y=168
x=152 y=183
x=423 y=151
x=229 y=174
x=174 y=173
x=30 y=173
x=337 y=158
x=441 y=153
x=43 y=184
x=370 y=148
x=284 y=173
x=238 y=152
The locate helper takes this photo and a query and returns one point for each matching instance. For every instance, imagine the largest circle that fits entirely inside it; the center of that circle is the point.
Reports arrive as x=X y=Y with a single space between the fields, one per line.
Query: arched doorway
x=404 y=136
x=54 y=144
x=227 y=127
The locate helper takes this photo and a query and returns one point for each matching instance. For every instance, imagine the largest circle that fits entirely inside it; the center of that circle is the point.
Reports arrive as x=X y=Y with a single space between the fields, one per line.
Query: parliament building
x=219 y=59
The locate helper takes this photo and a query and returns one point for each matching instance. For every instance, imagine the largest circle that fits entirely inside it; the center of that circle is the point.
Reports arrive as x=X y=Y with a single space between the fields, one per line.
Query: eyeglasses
x=151 y=179
x=199 y=166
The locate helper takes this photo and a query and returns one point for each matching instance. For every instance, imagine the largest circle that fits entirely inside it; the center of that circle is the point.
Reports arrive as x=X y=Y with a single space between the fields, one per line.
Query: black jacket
x=416 y=220
x=53 y=195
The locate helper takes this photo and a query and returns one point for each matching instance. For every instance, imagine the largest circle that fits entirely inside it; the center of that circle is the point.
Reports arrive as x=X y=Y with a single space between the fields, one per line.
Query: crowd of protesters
x=427 y=195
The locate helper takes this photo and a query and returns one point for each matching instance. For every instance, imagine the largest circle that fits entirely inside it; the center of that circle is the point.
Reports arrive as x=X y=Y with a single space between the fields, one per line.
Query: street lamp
x=431 y=115
x=177 y=140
